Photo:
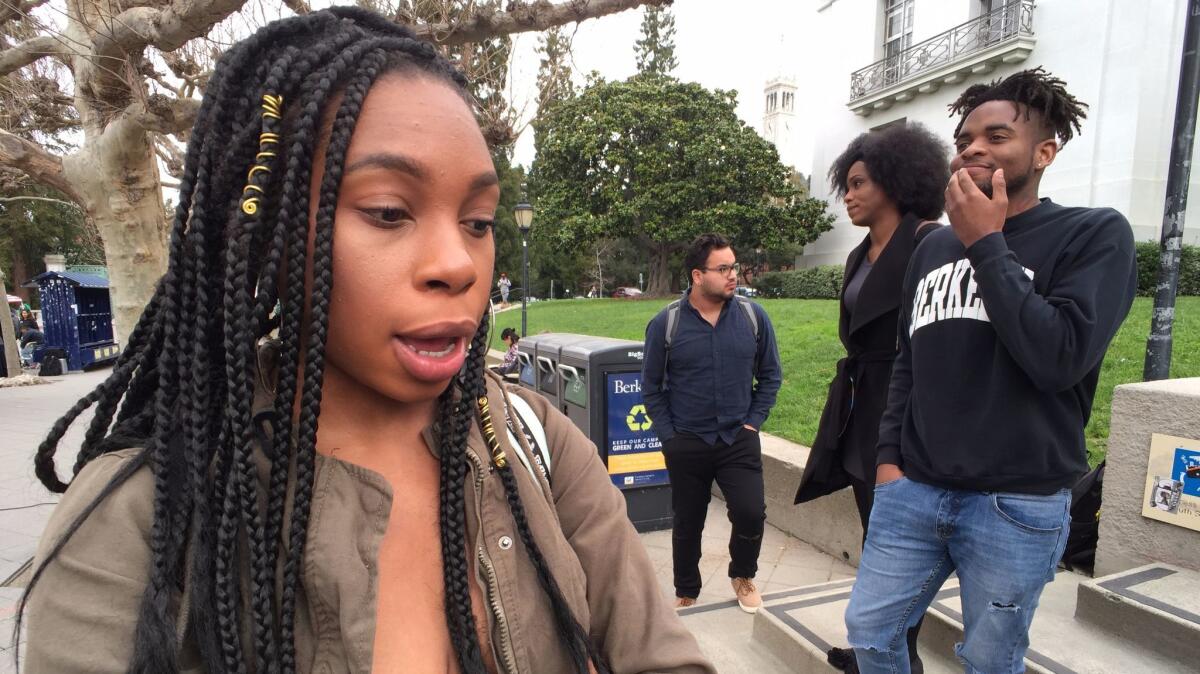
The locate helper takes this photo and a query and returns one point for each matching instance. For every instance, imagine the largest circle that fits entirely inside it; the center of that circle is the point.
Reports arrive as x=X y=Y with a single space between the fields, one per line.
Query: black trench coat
x=859 y=390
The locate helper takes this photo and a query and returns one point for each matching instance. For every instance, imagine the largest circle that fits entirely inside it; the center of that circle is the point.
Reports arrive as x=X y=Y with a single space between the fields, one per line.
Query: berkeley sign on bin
x=635 y=457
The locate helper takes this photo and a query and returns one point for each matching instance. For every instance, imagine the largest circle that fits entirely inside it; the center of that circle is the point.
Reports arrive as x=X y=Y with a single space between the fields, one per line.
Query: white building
x=889 y=61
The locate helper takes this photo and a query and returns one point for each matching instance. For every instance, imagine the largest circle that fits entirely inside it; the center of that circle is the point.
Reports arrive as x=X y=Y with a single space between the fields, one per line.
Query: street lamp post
x=524 y=215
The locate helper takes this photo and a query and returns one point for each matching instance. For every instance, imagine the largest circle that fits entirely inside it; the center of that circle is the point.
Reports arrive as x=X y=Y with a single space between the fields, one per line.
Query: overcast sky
x=720 y=44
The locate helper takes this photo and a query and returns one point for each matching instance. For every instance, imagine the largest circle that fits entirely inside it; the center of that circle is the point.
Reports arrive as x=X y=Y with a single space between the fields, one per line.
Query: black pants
x=693 y=465
x=864 y=497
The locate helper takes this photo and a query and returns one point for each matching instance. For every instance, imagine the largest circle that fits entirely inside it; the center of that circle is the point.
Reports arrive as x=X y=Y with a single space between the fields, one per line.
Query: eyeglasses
x=724 y=269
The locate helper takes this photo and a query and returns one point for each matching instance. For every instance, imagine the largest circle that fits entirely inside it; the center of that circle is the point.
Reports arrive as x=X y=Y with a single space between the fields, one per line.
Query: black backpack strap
x=748 y=307
x=671 y=330
x=672 y=322
x=751 y=315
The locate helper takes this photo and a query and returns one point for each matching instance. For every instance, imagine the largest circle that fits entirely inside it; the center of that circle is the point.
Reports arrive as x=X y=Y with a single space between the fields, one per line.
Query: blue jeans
x=1003 y=546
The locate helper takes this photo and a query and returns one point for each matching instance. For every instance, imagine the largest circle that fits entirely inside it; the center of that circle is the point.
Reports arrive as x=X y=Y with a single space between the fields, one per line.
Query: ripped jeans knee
x=997 y=640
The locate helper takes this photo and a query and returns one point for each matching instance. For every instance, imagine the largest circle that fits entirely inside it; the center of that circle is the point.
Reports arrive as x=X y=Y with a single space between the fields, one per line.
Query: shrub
x=814 y=283
x=1147 y=263
x=770 y=284
x=825 y=282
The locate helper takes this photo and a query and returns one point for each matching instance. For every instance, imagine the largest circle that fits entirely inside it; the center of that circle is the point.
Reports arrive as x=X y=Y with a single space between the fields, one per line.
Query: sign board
x=1173 y=481
x=635 y=456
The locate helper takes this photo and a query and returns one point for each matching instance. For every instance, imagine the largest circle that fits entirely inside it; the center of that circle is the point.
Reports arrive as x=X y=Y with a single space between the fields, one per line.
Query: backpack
x=519 y=417
x=52 y=363
x=673 y=325
x=1080 y=551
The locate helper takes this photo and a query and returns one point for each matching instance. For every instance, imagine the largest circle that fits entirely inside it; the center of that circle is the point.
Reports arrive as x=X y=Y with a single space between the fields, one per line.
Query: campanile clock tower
x=779 y=117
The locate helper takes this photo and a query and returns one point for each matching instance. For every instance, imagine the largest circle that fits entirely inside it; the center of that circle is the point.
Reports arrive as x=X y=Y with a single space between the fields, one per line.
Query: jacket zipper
x=507 y=656
x=505 y=639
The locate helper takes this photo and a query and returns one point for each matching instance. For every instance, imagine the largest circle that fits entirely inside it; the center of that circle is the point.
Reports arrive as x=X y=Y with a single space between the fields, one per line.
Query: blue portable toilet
x=77 y=316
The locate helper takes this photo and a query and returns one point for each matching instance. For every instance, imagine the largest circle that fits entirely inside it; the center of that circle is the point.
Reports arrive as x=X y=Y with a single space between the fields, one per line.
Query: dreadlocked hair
x=1031 y=90
x=182 y=390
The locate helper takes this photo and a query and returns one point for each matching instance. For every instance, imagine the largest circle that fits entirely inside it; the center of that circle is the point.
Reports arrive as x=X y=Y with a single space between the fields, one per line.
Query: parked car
x=627 y=292
x=746 y=291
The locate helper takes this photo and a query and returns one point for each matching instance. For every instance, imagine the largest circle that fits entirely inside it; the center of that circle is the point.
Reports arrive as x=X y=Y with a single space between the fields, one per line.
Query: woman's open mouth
x=429 y=356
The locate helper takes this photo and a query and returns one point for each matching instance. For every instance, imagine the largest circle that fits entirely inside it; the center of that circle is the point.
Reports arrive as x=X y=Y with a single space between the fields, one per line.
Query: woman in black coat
x=893 y=183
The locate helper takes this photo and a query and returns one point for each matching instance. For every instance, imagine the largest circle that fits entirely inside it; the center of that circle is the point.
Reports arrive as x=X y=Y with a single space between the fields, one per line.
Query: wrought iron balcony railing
x=1010 y=22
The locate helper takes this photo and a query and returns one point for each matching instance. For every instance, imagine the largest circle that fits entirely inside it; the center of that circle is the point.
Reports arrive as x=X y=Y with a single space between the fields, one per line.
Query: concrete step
x=724 y=633
x=1156 y=606
x=799 y=626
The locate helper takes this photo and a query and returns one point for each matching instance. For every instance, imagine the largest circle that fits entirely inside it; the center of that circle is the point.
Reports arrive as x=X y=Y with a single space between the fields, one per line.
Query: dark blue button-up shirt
x=708 y=385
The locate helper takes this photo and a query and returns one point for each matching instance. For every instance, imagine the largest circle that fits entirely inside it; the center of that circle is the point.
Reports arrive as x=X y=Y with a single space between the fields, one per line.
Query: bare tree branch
x=30 y=158
x=163 y=114
x=15 y=58
x=72 y=204
x=170 y=155
x=298 y=6
x=167 y=28
x=15 y=9
x=524 y=17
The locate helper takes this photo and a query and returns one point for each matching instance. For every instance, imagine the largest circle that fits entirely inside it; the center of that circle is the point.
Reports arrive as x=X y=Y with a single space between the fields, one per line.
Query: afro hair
x=907 y=161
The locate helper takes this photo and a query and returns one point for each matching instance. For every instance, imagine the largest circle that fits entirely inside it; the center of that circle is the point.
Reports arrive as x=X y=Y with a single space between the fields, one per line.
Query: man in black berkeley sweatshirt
x=1006 y=318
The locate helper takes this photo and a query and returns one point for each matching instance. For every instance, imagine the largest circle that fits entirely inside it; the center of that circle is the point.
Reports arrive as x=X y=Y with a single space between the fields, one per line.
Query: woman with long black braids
x=355 y=495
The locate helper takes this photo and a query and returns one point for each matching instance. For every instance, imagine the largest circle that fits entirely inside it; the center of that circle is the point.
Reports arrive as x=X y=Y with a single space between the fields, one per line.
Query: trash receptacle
x=602 y=395
x=526 y=350
x=544 y=352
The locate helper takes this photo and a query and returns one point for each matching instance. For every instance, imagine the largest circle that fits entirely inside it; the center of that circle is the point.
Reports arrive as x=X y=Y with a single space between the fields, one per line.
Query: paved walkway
x=26 y=414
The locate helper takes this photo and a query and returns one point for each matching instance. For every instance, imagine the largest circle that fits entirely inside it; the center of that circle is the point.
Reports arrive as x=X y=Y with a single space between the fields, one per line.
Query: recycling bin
x=526 y=374
x=601 y=392
x=544 y=350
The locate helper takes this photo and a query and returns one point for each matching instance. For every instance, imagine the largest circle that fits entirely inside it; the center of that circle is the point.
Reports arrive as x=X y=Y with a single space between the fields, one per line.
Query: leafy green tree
x=657 y=162
x=655 y=50
x=508 y=237
x=36 y=221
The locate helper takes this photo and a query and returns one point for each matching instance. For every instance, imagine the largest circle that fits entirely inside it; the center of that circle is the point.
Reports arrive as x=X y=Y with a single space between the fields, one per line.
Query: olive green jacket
x=82 y=613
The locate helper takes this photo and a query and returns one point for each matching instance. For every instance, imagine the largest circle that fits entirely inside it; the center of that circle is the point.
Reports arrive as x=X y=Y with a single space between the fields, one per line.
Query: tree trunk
x=659 y=283
x=12 y=357
x=117 y=177
x=20 y=275
x=114 y=175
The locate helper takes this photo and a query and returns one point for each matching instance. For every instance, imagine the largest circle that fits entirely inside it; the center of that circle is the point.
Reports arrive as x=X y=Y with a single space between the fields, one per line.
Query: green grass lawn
x=809 y=349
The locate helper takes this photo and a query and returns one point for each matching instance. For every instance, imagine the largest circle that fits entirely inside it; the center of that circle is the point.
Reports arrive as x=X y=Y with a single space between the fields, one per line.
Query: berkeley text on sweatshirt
x=1000 y=347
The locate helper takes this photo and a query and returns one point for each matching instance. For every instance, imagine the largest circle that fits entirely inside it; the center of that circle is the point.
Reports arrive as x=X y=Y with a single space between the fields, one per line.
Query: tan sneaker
x=684 y=602
x=747 y=595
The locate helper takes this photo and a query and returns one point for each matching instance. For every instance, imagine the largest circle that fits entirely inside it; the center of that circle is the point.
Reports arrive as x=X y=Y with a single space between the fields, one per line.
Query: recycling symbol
x=632 y=419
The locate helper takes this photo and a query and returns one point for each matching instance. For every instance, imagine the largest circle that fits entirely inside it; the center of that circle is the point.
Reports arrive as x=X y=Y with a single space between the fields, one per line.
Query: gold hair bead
x=272 y=106
x=489 y=433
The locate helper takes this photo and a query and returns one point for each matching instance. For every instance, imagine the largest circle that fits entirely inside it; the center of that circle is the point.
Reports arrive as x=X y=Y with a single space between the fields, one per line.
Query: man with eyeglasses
x=709 y=379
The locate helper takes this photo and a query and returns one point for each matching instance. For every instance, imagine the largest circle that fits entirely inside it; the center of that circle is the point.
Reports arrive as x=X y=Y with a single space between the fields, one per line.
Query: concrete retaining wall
x=1127 y=539
x=829 y=524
